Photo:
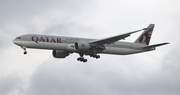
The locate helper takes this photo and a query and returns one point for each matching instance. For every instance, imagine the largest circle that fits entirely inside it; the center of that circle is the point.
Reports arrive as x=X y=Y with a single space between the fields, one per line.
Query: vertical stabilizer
x=145 y=37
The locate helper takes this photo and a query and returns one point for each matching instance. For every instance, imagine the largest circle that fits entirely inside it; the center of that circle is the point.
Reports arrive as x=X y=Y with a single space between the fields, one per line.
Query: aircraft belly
x=120 y=51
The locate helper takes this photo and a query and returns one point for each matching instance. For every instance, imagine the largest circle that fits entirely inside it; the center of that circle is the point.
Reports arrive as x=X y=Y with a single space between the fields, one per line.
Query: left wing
x=112 y=39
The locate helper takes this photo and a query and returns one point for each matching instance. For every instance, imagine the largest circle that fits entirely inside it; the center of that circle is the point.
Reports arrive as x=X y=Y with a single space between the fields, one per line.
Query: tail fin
x=145 y=37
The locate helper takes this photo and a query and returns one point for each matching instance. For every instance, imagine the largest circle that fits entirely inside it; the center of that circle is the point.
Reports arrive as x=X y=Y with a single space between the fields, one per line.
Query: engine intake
x=82 y=46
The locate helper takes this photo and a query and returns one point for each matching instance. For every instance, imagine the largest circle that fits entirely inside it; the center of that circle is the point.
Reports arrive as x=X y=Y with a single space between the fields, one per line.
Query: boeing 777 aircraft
x=63 y=46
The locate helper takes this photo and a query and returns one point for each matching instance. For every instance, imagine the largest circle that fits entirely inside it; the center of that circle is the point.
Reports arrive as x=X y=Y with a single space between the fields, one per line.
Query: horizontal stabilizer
x=153 y=46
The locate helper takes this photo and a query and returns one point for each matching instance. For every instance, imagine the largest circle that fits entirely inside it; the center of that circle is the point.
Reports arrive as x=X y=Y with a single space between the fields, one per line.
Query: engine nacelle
x=82 y=46
x=59 y=54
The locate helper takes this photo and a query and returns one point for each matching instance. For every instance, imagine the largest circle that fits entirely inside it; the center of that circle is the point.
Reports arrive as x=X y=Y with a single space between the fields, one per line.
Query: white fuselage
x=67 y=44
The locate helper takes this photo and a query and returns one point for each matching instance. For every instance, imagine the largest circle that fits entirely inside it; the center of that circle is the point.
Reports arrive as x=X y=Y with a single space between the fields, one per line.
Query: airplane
x=62 y=46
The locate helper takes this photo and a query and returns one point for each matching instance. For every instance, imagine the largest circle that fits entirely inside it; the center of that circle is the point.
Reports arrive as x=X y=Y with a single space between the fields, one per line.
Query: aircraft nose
x=14 y=41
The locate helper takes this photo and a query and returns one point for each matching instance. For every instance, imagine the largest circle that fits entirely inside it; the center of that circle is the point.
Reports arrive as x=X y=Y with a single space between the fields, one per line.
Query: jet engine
x=59 y=54
x=82 y=46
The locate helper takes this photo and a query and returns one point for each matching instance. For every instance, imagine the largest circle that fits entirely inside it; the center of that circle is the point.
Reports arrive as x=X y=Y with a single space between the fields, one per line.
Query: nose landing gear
x=24 y=48
x=25 y=52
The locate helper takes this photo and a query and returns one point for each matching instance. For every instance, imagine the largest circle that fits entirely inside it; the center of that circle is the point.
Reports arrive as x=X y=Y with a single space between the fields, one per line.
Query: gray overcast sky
x=38 y=73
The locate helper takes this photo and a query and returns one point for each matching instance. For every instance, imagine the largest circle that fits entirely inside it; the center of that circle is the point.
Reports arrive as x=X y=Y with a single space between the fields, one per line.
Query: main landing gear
x=24 y=48
x=95 y=56
x=82 y=59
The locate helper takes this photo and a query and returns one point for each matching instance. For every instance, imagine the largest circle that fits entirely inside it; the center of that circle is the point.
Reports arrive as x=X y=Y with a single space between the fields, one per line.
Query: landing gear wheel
x=25 y=52
x=78 y=59
x=91 y=55
x=95 y=55
x=85 y=60
x=81 y=59
x=98 y=56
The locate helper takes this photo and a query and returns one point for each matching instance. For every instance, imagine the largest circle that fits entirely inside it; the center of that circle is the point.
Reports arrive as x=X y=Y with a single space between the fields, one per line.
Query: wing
x=112 y=39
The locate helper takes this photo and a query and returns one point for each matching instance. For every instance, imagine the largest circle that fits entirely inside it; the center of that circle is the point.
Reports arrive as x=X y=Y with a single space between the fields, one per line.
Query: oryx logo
x=146 y=36
x=83 y=45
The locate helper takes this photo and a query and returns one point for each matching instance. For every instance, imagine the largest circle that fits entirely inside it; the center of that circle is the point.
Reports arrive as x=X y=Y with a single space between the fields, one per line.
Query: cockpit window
x=18 y=38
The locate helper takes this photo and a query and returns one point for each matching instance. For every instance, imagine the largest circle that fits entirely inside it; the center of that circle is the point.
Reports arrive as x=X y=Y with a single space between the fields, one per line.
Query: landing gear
x=25 y=52
x=82 y=59
x=95 y=56
x=24 y=48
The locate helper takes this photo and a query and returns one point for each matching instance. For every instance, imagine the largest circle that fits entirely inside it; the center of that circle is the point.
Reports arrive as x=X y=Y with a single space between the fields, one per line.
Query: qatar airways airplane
x=63 y=46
